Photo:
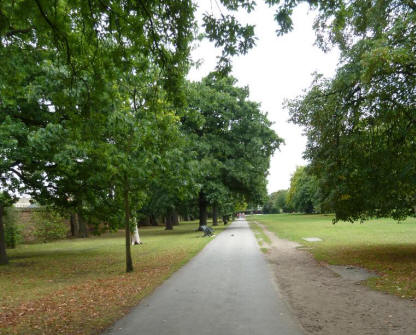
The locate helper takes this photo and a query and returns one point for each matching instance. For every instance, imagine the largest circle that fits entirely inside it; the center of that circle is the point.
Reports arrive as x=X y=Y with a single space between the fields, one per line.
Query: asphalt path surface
x=226 y=289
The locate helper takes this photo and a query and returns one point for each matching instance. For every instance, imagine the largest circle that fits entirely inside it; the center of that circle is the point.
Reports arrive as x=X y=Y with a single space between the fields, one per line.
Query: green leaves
x=233 y=141
x=361 y=124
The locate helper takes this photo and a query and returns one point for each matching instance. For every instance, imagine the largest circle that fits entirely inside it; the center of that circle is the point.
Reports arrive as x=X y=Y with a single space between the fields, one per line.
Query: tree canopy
x=361 y=124
x=233 y=141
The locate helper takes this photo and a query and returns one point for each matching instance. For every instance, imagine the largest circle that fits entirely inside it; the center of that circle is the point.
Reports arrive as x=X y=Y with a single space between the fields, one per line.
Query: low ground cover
x=382 y=245
x=79 y=286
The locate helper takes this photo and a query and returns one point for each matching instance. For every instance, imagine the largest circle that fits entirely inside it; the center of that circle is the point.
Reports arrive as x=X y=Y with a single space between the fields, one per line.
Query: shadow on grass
x=394 y=254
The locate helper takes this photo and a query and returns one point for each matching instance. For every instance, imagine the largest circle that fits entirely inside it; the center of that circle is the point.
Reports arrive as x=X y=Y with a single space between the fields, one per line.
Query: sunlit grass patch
x=382 y=245
x=79 y=286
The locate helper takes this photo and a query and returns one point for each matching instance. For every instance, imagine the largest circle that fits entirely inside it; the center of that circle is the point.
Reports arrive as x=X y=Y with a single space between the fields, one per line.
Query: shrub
x=49 y=226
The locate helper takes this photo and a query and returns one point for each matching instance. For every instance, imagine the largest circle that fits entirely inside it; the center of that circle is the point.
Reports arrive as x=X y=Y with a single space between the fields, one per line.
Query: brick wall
x=26 y=223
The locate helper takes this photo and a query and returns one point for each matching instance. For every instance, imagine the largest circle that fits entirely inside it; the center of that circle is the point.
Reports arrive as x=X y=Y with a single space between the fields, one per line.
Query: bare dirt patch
x=326 y=303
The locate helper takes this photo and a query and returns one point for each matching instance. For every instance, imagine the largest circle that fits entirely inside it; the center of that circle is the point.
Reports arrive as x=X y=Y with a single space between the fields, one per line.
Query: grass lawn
x=79 y=286
x=381 y=245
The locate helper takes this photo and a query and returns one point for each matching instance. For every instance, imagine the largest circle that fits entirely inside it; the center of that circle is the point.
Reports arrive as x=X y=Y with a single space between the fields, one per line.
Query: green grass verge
x=79 y=286
x=381 y=245
x=262 y=239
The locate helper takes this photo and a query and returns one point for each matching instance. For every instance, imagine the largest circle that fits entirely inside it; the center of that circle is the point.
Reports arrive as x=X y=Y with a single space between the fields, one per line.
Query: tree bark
x=203 y=215
x=225 y=219
x=3 y=255
x=129 y=261
x=169 y=221
x=136 y=236
x=214 y=215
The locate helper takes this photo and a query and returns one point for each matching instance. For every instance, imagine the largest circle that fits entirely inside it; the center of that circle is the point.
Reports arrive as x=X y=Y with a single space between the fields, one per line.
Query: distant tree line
x=303 y=196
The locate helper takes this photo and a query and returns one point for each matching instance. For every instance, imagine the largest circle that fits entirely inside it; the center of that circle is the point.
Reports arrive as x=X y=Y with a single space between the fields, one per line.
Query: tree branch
x=12 y=32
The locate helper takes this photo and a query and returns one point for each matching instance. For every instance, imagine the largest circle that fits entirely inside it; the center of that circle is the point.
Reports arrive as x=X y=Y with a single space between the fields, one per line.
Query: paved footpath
x=226 y=289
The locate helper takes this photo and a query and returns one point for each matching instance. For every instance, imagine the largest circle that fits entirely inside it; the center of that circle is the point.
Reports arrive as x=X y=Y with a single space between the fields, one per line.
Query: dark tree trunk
x=129 y=261
x=225 y=219
x=203 y=215
x=3 y=255
x=83 y=227
x=214 y=215
x=169 y=220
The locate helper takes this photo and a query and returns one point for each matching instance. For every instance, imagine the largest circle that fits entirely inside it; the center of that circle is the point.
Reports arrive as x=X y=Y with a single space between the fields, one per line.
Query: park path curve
x=226 y=289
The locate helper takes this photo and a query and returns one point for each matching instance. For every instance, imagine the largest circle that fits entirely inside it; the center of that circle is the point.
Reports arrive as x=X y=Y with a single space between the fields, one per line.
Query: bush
x=11 y=230
x=49 y=226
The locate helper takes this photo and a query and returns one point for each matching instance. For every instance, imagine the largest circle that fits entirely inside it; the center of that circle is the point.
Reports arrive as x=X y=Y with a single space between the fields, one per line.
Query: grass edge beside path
x=383 y=246
x=79 y=286
x=262 y=239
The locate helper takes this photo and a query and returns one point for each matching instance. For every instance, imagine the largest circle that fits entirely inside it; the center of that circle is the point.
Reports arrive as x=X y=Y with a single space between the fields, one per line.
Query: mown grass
x=382 y=245
x=79 y=286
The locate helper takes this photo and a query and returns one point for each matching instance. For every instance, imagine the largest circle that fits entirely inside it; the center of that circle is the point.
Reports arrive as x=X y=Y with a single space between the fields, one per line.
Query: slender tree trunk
x=225 y=219
x=129 y=262
x=203 y=215
x=214 y=215
x=3 y=255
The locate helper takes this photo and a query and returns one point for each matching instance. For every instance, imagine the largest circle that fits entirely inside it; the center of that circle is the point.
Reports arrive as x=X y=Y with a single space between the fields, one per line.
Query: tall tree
x=67 y=69
x=233 y=141
x=303 y=195
x=361 y=124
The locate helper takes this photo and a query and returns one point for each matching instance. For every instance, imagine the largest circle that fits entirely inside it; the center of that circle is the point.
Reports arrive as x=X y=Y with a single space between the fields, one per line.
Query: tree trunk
x=169 y=221
x=3 y=255
x=83 y=227
x=214 y=215
x=203 y=215
x=225 y=219
x=136 y=236
x=129 y=262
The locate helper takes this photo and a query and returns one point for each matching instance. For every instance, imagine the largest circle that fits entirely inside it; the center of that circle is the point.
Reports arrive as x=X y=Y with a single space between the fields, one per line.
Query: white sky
x=277 y=68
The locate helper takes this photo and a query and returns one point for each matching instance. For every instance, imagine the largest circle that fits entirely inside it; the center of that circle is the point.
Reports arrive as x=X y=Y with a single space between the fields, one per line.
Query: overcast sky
x=276 y=69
